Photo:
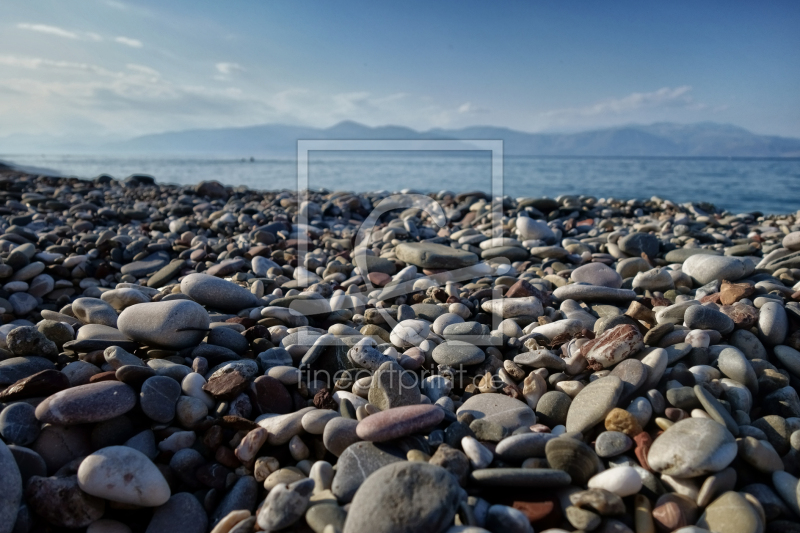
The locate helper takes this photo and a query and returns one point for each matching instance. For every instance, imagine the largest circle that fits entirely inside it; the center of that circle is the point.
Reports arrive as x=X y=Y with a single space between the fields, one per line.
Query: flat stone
x=175 y=324
x=86 y=404
x=499 y=409
x=773 y=324
x=166 y=273
x=597 y=274
x=151 y=263
x=15 y=369
x=592 y=293
x=404 y=497
x=122 y=474
x=707 y=268
x=94 y=311
x=430 y=255
x=18 y=424
x=715 y=409
x=692 y=447
x=282 y=428
x=702 y=317
x=216 y=293
x=612 y=443
x=552 y=408
x=633 y=375
x=733 y=364
x=399 y=422
x=537 y=478
x=93 y=337
x=521 y=447
x=458 y=353
x=593 y=403
x=42 y=383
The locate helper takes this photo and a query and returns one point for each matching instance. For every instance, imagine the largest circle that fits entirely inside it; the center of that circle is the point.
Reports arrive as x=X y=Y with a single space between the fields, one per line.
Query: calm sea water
x=739 y=185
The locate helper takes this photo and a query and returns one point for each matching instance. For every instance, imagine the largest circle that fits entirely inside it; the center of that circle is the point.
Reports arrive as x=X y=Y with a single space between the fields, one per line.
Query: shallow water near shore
x=739 y=185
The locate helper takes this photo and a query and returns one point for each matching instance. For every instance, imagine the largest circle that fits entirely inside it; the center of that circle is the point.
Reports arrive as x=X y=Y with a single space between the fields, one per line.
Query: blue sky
x=116 y=68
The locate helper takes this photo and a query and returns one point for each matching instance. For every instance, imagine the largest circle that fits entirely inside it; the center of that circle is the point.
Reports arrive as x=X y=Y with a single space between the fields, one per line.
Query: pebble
x=357 y=463
x=86 y=404
x=692 y=447
x=217 y=293
x=182 y=513
x=399 y=422
x=122 y=474
x=622 y=481
x=593 y=403
x=176 y=324
x=404 y=496
x=10 y=487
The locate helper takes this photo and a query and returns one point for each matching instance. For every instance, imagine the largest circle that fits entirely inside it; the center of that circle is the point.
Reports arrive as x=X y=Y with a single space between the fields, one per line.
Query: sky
x=113 y=69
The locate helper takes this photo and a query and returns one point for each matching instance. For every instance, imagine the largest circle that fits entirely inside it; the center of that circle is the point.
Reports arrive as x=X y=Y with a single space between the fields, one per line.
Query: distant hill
x=704 y=139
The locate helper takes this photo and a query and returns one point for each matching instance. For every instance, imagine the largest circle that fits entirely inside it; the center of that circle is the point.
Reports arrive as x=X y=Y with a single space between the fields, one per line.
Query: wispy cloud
x=35 y=63
x=664 y=97
x=469 y=108
x=228 y=68
x=61 y=32
x=127 y=41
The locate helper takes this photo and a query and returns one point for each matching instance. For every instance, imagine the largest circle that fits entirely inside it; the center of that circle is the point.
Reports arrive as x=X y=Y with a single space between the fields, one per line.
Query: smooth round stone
x=704 y=269
x=434 y=256
x=733 y=364
x=282 y=428
x=18 y=424
x=357 y=463
x=182 y=513
x=134 y=375
x=339 y=433
x=638 y=243
x=760 y=454
x=176 y=324
x=228 y=338
x=392 y=386
x=593 y=403
x=521 y=447
x=158 y=397
x=612 y=443
x=691 y=448
x=458 y=353
x=17 y=368
x=530 y=229
x=320 y=515
x=773 y=324
x=792 y=241
x=633 y=375
x=749 y=345
x=10 y=488
x=702 y=317
x=404 y=497
x=119 y=299
x=216 y=293
x=732 y=513
x=789 y=357
x=552 y=408
x=242 y=496
x=622 y=481
x=593 y=293
x=657 y=279
x=122 y=474
x=539 y=478
x=94 y=311
x=715 y=409
x=85 y=404
x=399 y=422
x=597 y=274
x=314 y=422
x=499 y=409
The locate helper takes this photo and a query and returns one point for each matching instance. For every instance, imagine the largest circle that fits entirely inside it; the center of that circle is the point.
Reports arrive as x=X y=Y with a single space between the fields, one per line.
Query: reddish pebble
x=399 y=422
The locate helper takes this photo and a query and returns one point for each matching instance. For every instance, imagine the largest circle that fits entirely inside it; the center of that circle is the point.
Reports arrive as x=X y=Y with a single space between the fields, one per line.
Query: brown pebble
x=622 y=421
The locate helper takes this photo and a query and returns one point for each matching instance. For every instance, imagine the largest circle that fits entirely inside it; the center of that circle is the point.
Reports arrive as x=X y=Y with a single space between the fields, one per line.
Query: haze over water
x=738 y=185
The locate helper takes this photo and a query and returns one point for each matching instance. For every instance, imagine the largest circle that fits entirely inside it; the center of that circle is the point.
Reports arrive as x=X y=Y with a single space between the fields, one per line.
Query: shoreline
x=209 y=353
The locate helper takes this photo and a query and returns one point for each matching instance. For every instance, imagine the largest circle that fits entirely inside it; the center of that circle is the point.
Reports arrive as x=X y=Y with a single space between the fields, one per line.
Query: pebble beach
x=210 y=358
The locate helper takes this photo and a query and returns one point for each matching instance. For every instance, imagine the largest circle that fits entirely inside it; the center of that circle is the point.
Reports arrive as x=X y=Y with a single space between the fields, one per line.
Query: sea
x=739 y=185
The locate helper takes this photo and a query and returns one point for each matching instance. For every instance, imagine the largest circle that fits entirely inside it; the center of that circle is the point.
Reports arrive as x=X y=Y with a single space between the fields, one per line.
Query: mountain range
x=705 y=139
